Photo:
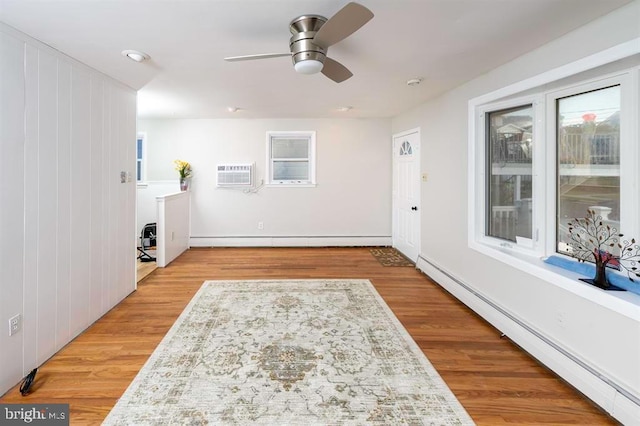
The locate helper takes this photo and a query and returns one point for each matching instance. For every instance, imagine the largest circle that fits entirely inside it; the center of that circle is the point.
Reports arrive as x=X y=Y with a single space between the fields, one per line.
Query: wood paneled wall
x=67 y=222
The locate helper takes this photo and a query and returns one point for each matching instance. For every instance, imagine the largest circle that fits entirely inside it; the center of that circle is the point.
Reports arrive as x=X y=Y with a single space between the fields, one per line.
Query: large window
x=509 y=184
x=588 y=158
x=291 y=158
x=545 y=158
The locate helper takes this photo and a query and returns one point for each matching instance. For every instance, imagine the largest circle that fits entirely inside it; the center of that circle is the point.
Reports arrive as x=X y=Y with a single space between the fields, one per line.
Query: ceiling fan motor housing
x=311 y=36
x=303 y=29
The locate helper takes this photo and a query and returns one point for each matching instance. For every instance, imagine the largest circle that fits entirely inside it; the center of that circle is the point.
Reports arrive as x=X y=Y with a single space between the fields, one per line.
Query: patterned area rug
x=304 y=352
x=388 y=256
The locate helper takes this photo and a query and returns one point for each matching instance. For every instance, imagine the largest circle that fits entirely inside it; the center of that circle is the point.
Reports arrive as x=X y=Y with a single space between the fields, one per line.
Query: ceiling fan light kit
x=308 y=57
x=308 y=66
x=311 y=37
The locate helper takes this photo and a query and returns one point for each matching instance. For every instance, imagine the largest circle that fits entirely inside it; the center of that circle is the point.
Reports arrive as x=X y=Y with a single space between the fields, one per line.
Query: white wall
x=352 y=201
x=602 y=338
x=66 y=255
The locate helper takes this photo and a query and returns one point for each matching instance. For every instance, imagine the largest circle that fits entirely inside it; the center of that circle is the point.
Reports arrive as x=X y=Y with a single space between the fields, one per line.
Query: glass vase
x=184 y=184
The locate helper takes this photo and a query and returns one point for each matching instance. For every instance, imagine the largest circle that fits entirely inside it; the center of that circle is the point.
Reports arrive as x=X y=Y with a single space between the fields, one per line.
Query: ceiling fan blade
x=335 y=70
x=260 y=56
x=341 y=25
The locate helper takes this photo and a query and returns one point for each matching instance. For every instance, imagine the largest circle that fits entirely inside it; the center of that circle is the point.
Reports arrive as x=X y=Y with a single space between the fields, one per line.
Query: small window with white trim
x=291 y=158
x=141 y=153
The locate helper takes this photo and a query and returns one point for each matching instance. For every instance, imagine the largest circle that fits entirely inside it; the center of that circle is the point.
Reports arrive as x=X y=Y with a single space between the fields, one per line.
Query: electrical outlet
x=260 y=225
x=15 y=323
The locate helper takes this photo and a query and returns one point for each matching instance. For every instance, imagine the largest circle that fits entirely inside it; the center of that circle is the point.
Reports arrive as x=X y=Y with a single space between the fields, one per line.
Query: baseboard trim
x=328 y=241
x=610 y=396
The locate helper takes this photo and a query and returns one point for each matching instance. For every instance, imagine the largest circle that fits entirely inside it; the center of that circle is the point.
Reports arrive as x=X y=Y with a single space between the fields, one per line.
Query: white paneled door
x=406 y=193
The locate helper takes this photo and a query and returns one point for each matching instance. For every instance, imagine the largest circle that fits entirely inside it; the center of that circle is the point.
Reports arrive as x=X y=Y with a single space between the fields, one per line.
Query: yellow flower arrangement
x=184 y=168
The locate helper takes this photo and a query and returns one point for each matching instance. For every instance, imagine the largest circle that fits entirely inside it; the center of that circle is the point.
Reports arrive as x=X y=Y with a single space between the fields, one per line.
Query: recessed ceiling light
x=135 y=55
x=414 y=82
x=232 y=109
x=345 y=108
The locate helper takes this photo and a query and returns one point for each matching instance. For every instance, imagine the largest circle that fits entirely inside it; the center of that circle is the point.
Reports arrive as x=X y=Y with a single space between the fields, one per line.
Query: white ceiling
x=444 y=42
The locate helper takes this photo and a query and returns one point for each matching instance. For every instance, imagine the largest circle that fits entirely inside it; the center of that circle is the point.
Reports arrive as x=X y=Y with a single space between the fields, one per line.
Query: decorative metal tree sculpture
x=591 y=238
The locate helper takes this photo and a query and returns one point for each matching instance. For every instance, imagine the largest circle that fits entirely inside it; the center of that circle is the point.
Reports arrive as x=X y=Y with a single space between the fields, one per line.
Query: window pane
x=509 y=183
x=290 y=148
x=588 y=158
x=138 y=170
x=139 y=149
x=406 y=149
x=290 y=170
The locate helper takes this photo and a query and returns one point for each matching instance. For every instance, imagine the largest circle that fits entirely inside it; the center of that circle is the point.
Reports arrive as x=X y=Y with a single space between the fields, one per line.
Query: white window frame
x=530 y=259
x=479 y=217
x=310 y=136
x=629 y=198
x=143 y=160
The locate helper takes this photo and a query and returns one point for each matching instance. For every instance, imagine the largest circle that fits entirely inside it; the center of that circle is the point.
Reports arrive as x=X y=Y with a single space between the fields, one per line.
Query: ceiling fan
x=311 y=37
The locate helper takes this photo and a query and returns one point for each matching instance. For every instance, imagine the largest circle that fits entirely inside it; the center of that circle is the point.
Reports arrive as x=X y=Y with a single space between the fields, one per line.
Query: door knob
x=414 y=208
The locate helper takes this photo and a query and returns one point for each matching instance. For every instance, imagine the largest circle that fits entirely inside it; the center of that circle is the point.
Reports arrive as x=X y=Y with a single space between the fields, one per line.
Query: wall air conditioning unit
x=235 y=175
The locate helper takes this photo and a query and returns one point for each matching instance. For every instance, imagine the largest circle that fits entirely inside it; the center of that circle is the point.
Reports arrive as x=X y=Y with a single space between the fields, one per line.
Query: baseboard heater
x=425 y=264
x=289 y=241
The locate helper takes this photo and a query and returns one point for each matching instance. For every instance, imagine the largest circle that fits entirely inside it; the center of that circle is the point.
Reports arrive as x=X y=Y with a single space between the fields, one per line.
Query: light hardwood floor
x=143 y=269
x=496 y=382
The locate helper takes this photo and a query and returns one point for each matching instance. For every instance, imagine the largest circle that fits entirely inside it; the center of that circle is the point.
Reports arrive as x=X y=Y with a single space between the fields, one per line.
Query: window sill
x=291 y=185
x=622 y=302
x=142 y=184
